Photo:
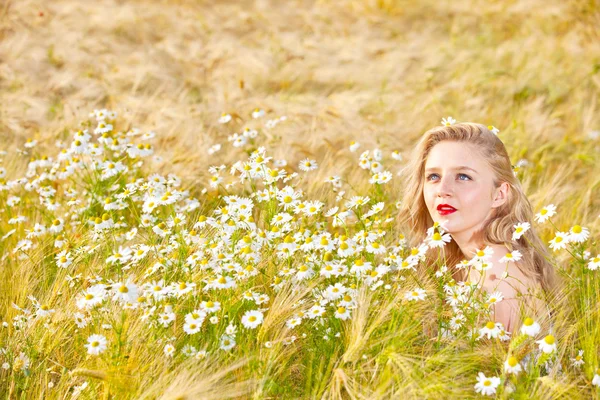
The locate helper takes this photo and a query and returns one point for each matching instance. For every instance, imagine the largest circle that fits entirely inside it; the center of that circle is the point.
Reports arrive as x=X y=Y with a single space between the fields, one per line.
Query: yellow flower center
x=512 y=361
x=341 y=310
x=490 y=325
x=577 y=229
x=549 y=339
x=528 y=322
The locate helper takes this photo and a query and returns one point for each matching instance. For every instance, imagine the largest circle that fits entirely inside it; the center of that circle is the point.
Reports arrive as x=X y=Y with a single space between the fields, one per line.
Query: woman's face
x=455 y=174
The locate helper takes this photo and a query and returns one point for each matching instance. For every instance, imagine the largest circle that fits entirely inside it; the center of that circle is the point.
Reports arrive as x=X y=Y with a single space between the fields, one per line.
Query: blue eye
x=467 y=176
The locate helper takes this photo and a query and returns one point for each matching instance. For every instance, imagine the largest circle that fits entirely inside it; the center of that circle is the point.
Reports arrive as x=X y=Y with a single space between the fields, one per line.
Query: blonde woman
x=461 y=177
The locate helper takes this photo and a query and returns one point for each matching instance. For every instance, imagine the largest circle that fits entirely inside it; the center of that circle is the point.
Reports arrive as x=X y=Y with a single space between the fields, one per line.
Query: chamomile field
x=201 y=200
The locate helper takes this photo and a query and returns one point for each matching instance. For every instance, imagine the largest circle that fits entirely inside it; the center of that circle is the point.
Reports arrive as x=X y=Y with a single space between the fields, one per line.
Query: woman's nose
x=445 y=187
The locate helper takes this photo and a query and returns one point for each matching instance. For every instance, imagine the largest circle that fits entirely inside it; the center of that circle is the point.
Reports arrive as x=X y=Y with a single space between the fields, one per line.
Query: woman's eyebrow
x=455 y=168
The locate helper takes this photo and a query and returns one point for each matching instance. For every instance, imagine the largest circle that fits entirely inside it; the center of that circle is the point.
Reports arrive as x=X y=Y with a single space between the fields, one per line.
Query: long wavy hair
x=498 y=228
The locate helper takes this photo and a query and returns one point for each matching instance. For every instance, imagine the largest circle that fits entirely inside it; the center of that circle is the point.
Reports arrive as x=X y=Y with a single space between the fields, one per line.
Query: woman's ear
x=501 y=194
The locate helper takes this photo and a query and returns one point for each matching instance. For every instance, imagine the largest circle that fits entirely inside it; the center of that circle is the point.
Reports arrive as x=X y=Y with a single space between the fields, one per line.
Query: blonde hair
x=498 y=229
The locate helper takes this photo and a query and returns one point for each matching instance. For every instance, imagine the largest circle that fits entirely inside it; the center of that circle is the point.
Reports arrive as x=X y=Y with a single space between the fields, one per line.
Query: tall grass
x=377 y=72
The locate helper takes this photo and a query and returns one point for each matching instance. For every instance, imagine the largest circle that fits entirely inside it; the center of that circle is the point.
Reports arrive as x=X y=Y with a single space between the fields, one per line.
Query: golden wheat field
x=201 y=200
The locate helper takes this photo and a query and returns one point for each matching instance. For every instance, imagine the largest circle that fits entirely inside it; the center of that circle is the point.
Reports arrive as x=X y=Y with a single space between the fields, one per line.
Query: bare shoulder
x=509 y=277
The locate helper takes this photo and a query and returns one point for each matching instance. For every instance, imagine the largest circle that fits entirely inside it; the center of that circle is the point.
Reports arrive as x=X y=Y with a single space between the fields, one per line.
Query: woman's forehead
x=452 y=155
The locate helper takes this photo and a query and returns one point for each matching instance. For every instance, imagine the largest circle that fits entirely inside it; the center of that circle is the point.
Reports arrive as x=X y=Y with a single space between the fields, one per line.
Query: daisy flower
x=357 y=201
x=214 y=182
x=224 y=118
x=381 y=177
x=560 y=241
x=495 y=298
x=530 y=327
x=167 y=317
x=512 y=366
x=64 y=259
x=252 y=319
x=481 y=265
x=375 y=209
x=375 y=248
x=514 y=255
x=396 y=155
x=56 y=226
x=578 y=234
x=103 y=127
x=126 y=292
x=214 y=148
x=307 y=165
x=594 y=263
x=191 y=327
x=304 y=272
x=520 y=229
x=227 y=342
x=16 y=220
x=547 y=212
x=596 y=380
x=91 y=297
x=316 y=311
x=342 y=313
x=486 y=386
x=354 y=146
x=415 y=294
x=359 y=267
x=169 y=350
x=257 y=113
x=493 y=129
x=483 y=255
x=96 y=344
x=293 y=322
x=448 y=121
x=578 y=359
x=313 y=207
x=30 y=143
x=491 y=330
x=210 y=306
x=438 y=240
x=547 y=344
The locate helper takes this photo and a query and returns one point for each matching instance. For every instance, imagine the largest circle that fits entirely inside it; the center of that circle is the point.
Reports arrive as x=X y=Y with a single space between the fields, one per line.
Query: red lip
x=445 y=207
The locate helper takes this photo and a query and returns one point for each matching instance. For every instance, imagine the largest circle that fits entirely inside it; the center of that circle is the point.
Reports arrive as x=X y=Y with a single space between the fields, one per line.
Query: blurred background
x=380 y=72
